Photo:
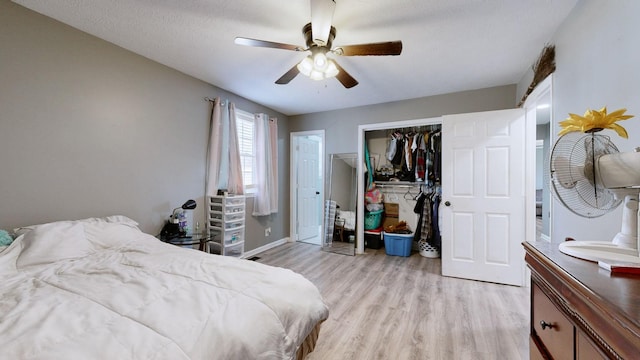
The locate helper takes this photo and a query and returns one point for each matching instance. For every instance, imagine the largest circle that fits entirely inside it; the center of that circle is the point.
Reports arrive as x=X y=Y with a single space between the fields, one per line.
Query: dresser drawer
x=534 y=352
x=585 y=350
x=557 y=335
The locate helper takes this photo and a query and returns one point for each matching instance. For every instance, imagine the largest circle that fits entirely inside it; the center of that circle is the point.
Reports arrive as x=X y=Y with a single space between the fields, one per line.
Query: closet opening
x=487 y=185
x=403 y=160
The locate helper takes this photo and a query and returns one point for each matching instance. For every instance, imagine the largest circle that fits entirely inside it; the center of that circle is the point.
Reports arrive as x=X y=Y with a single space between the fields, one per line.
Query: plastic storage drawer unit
x=226 y=224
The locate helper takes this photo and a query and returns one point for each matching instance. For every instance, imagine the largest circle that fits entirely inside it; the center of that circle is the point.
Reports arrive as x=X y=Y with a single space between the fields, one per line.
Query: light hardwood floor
x=389 y=307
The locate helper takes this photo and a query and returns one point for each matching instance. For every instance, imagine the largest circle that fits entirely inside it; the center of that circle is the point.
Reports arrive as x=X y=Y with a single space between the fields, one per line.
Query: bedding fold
x=104 y=291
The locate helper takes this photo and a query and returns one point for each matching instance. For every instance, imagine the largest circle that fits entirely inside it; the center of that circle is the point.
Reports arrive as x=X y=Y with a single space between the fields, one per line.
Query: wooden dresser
x=578 y=310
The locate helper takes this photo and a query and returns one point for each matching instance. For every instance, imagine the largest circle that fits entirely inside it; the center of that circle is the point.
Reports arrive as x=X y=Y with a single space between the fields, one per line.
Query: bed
x=102 y=289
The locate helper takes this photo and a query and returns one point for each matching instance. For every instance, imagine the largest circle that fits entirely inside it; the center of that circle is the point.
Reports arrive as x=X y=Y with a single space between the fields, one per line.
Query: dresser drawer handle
x=545 y=325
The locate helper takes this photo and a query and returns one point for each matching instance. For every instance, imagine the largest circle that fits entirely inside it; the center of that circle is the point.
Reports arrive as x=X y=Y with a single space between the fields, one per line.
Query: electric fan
x=590 y=177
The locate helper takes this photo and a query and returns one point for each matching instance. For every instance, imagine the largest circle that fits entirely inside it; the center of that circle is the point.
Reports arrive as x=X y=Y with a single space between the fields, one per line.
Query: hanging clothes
x=425 y=224
x=420 y=158
x=398 y=156
x=407 y=152
x=436 y=148
x=428 y=229
x=419 y=209
x=414 y=154
x=435 y=240
x=391 y=148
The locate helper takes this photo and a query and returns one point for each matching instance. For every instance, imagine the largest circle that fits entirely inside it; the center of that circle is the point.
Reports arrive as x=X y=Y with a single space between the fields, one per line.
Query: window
x=245 y=128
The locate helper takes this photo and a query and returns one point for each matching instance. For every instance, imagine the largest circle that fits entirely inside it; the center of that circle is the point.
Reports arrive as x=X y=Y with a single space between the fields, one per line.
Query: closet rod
x=397 y=186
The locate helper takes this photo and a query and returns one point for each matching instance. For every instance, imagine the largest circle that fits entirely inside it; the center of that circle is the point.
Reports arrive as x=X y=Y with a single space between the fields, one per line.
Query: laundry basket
x=427 y=250
x=372 y=219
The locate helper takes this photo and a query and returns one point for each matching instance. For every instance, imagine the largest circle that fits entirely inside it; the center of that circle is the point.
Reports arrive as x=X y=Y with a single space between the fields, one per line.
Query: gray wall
x=597 y=57
x=341 y=126
x=90 y=129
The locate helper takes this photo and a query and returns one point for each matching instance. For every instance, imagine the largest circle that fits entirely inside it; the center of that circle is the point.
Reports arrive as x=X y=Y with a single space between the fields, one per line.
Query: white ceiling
x=448 y=45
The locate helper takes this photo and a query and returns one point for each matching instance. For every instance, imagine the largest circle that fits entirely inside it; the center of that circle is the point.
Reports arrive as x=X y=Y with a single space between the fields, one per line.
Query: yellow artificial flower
x=595 y=120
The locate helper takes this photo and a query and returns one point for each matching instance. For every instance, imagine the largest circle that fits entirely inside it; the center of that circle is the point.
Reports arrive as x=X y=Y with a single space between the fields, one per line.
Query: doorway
x=489 y=250
x=307 y=186
x=539 y=108
x=362 y=129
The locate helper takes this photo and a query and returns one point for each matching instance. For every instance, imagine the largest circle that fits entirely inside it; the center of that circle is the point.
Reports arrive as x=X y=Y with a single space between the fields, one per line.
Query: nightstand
x=200 y=239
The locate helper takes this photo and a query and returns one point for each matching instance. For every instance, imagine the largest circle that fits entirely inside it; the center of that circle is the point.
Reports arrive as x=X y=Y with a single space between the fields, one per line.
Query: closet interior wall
x=403 y=193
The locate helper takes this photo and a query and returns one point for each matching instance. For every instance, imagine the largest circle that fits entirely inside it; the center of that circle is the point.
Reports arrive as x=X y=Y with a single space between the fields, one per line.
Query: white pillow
x=52 y=242
x=115 y=219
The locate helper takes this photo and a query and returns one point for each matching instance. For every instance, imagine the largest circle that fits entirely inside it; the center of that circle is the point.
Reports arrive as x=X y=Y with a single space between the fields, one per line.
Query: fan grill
x=572 y=176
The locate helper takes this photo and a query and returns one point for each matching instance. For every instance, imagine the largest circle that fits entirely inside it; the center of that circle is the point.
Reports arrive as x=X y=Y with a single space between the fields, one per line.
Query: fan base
x=600 y=251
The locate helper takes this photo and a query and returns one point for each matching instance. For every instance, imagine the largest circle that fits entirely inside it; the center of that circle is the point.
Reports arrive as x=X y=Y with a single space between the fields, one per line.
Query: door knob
x=446 y=203
x=317 y=192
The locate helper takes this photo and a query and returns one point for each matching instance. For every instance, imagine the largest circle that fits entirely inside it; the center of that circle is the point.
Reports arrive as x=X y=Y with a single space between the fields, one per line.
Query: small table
x=200 y=239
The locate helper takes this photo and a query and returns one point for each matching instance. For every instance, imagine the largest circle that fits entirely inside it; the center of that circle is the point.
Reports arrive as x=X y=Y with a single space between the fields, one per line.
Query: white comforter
x=100 y=290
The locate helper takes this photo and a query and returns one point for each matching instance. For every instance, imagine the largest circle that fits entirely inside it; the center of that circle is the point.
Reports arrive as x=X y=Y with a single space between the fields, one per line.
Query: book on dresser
x=226 y=224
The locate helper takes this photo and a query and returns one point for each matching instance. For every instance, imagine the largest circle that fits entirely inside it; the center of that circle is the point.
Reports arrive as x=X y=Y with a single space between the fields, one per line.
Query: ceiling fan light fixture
x=306 y=66
x=317 y=67
x=320 y=61
x=319 y=35
x=316 y=75
x=332 y=69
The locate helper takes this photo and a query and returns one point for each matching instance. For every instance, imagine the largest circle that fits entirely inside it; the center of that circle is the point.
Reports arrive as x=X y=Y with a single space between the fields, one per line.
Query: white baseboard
x=266 y=247
x=545 y=237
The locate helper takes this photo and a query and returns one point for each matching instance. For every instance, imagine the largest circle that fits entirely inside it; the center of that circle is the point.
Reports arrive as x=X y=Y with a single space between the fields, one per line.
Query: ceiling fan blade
x=267 y=44
x=288 y=76
x=345 y=79
x=381 y=48
x=321 y=18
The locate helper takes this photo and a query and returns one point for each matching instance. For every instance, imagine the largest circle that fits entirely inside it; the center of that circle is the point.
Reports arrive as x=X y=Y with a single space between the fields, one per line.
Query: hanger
x=408 y=193
x=419 y=193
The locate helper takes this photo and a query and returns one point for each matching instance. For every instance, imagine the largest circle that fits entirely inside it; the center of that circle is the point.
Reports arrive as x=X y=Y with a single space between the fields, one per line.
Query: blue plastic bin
x=398 y=244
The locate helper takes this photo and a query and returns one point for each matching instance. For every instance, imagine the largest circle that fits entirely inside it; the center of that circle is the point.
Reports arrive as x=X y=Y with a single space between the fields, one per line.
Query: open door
x=483 y=196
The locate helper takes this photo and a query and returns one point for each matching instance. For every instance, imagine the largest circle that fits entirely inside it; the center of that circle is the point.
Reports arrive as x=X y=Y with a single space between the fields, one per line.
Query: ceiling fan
x=319 y=35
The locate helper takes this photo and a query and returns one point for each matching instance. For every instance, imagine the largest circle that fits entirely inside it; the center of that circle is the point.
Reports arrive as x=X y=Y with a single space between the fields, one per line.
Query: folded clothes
x=5 y=238
x=399 y=228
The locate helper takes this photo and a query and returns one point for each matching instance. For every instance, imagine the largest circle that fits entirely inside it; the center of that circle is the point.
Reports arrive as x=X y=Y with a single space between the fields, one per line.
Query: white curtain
x=235 y=184
x=223 y=156
x=266 y=136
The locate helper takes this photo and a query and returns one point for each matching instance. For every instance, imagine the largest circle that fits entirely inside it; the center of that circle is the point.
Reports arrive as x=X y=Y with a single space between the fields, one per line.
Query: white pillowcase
x=115 y=219
x=52 y=242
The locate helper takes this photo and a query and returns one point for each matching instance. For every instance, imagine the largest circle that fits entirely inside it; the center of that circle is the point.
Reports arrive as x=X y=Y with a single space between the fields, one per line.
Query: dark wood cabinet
x=550 y=326
x=585 y=349
x=578 y=310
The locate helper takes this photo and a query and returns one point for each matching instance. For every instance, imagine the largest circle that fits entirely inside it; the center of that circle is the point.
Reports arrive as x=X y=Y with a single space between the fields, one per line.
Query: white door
x=483 y=196
x=308 y=190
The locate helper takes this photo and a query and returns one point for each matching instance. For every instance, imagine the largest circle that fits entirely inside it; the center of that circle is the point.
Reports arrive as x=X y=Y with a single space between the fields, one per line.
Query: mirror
x=340 y=206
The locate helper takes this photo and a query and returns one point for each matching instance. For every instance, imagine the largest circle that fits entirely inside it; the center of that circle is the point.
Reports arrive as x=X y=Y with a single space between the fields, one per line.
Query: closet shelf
x=399 y=184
